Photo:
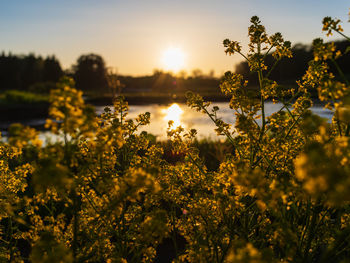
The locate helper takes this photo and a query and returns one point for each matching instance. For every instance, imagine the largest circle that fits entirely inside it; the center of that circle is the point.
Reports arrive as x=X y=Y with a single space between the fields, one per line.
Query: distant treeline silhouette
x=34 y=73
x=23 y=72
x=166 y=82
x=289 y=70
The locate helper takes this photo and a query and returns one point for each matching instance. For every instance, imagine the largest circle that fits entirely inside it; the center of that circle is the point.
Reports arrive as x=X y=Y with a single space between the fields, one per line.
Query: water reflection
x=191 y=119
x=173 y=113
x=184 y=116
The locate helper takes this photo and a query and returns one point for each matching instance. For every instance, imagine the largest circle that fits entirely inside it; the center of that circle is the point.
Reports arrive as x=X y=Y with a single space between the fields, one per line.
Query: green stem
x=95 y=209
x=273 y=67
x=228 y=135
x=285 y=137
x=311 y=233
x=302 y=237
x=340 y=33
x=243 y=56
x=262 y=100
x=337 y=117
x=286 y=104
x=10 y=237
x=347 y=132
x=341 y=73
x=268 y=51
x=196 y=164
x=173 y=236
x=262 y=104
x=75 y=226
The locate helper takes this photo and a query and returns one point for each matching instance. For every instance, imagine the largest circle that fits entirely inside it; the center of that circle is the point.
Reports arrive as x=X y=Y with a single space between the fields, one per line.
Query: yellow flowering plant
x=105 y=192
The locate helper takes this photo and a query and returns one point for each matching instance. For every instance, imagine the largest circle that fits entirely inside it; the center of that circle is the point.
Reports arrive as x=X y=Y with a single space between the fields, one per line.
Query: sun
x=173 y=59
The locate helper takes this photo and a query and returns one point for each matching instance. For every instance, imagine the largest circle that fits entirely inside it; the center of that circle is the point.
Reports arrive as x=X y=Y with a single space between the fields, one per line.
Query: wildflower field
x=107 y=193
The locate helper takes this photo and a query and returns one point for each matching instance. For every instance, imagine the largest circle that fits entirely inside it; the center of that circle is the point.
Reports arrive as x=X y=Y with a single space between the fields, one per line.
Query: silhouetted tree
x=22 y=72
x=32 y=70
x=163 y=81
x=197 y=73
x=90 y=73
x=287 y=71
x=52 y=70
x=114 y=84
x=211 y=74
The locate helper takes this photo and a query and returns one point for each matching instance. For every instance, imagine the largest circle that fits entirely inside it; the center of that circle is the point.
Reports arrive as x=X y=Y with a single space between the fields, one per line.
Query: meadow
x=276 y=189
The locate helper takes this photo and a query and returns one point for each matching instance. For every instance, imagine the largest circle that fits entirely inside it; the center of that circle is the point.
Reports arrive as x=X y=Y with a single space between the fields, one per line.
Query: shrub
x=23 y=97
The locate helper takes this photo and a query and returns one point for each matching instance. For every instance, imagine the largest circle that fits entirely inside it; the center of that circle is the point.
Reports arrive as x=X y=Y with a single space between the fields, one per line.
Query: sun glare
x=173 y=59
x=173 y=113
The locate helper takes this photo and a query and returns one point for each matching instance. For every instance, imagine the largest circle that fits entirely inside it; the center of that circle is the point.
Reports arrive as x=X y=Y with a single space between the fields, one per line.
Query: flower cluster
x=106 y=192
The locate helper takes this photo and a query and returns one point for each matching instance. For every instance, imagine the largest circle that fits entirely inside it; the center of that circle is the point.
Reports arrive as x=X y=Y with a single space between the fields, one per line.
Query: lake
x=182 y=115
x=188 y=118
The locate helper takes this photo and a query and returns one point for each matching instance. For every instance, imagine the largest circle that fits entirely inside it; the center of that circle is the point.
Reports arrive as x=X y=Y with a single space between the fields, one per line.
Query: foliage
x=106 y=193
x=290 y=69
x=90 y=73
x=20 y=72
x=23 y=97
x=42 y=87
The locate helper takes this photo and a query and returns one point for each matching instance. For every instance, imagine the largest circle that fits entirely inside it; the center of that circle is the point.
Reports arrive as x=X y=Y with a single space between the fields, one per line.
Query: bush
x=42 y=87
x=23 y=97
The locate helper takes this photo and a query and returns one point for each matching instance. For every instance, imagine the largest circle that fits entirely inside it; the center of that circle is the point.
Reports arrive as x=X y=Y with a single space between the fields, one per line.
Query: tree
x=52 y=69
x=90 y=73
x=31 y=70
x=197 y=73
x=25 y=71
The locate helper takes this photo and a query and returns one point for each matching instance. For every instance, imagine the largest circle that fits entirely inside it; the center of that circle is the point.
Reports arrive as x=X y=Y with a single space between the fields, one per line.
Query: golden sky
x=132 y=36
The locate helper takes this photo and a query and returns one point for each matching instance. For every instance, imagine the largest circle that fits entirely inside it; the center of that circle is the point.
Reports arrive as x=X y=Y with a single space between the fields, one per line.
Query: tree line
x=22 y=72
x=34 y=73
x=291 y=69
x=37 y=74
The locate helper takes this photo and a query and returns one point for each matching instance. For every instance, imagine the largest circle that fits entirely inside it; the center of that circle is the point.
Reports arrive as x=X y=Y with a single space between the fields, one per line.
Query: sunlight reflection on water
x=173 y=113
x=188 y=118
x=182 y=115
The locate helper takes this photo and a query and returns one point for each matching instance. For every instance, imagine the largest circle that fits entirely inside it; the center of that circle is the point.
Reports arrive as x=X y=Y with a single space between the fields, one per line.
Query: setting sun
x=173 y=59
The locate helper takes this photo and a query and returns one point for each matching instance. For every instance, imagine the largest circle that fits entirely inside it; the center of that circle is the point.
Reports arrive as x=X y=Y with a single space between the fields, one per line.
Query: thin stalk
x=262 y=104
x=243 y=56
x=225 y=250
x=196 y=164
x=10 y=234
x=267 y=160
x=272 y=68
x=260 y=74
x=347 y=132
x=95 y=209
x=173 y=236
x=271 y=47
x=289 y=112
x=285 y=137
x=341 y=73
x=337 y=117
x=311 y=233
x=301 y=240
x=340 y=33
x=262 y=100
x=286 y=105
x=226 y=133
x=75 y=226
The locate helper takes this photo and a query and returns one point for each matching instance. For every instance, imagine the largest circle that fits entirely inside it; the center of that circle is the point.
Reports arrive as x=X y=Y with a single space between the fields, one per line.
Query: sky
x=132 y=35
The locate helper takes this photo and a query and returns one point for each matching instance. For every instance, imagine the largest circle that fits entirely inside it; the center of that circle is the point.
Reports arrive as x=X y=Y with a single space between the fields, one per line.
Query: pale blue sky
x=131 y=35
